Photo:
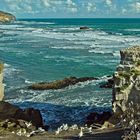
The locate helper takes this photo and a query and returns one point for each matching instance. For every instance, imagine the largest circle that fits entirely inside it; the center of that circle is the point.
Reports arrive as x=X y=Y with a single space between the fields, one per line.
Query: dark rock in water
x=59 y=84
x=98 y=118
x=9 y=111
x=108 y=84
x=84 y=28
x=6 y=17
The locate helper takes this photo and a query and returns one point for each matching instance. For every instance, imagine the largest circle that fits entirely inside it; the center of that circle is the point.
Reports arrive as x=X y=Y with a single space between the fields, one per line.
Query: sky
x=72 y=8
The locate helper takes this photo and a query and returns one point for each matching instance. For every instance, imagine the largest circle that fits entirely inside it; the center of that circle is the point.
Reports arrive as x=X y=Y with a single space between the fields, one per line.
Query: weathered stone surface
x=98 y=118
x=84 y=28
x=59 y=84
x=108 y=84
x=1 y=82
x=6 y=17
x=127 y=80
x=9 y=111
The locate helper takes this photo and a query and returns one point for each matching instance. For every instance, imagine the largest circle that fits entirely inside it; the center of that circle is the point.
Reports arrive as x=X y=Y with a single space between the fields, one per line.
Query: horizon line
x=81 y=18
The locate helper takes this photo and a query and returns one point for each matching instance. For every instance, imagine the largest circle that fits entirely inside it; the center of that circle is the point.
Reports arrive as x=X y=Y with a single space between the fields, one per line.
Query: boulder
x=9 y=111
x=6 y=17
x=59 y=84
x=108 y=84
x=84 y=28
x=98 y=118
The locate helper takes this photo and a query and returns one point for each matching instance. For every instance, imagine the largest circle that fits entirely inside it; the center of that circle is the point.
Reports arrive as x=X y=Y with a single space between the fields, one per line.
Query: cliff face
x=127 y=80
x=1 y=82
x=6 y=17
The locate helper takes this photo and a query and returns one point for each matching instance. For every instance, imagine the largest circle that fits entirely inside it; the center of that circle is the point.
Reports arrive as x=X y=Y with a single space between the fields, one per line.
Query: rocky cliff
x=1 y=82
x=127 y=80
x=6 y=17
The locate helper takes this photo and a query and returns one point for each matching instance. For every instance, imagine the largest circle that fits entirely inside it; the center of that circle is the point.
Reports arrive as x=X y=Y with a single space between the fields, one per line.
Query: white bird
x=90 y=129
x=40 y=129
x=74 y=127
x=65 y=127
x=81 y=132
x=28 y=124
x=19 y=132
x=57 y=131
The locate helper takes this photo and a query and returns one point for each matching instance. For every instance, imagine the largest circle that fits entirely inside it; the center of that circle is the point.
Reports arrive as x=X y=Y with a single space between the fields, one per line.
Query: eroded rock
x=6 y=17
x=126 y=87
x=98 y=118
x=1 y=82
x=108 y=84
x=9 y=111
x=59 y=84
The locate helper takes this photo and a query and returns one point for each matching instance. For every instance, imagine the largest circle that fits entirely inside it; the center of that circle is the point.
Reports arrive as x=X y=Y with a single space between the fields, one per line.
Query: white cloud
x=109 y=2
x=137 y=6
x=101 y=7
x=124 y=11
x=34 y=6
x=71 y=6
x=24 y=6
x=91 y=7
x=46 y=3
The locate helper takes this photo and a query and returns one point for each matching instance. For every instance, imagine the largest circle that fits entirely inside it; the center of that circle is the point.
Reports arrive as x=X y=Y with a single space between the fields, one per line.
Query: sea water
x=36 y=50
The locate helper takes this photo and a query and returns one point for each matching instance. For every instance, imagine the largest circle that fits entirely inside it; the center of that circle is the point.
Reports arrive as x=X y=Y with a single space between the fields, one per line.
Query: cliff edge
x=6 y=17
x=127 y=80
x=1 y=82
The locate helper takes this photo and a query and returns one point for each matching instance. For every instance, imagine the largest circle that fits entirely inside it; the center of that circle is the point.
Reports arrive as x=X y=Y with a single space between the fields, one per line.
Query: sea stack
x=126 y=88
x=6 y=17
x=1 y=82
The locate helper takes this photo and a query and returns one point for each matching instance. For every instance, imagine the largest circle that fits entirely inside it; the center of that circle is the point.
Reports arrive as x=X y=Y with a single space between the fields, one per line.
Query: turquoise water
x=36 y=50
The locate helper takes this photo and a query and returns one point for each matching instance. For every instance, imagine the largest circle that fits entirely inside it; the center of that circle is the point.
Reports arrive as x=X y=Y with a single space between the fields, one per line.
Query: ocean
x=36 y=50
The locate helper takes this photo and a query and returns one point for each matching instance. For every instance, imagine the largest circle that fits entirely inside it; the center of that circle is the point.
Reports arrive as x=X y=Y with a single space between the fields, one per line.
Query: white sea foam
x=10 y=26
x=133 y=30
x=33 y=22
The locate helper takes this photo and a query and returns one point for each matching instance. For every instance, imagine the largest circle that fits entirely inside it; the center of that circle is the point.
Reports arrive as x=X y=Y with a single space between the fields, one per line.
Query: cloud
x=20 y=7
x=137 y=7
x=25 y=6
x=124 y=11
x=46 y=3
x=91 y=7
x=60 y=8
x=72 y=7
x=109 y=2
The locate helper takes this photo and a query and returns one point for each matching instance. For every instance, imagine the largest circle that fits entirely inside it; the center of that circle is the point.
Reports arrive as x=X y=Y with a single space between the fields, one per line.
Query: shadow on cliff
x=56 y=115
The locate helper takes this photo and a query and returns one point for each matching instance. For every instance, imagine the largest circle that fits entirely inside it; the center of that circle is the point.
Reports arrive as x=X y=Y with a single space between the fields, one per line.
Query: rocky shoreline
x=125 y=82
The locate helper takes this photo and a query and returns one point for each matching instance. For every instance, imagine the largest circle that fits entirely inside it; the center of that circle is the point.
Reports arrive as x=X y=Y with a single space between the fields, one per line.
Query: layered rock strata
x=1 y=83
x=126 y=88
